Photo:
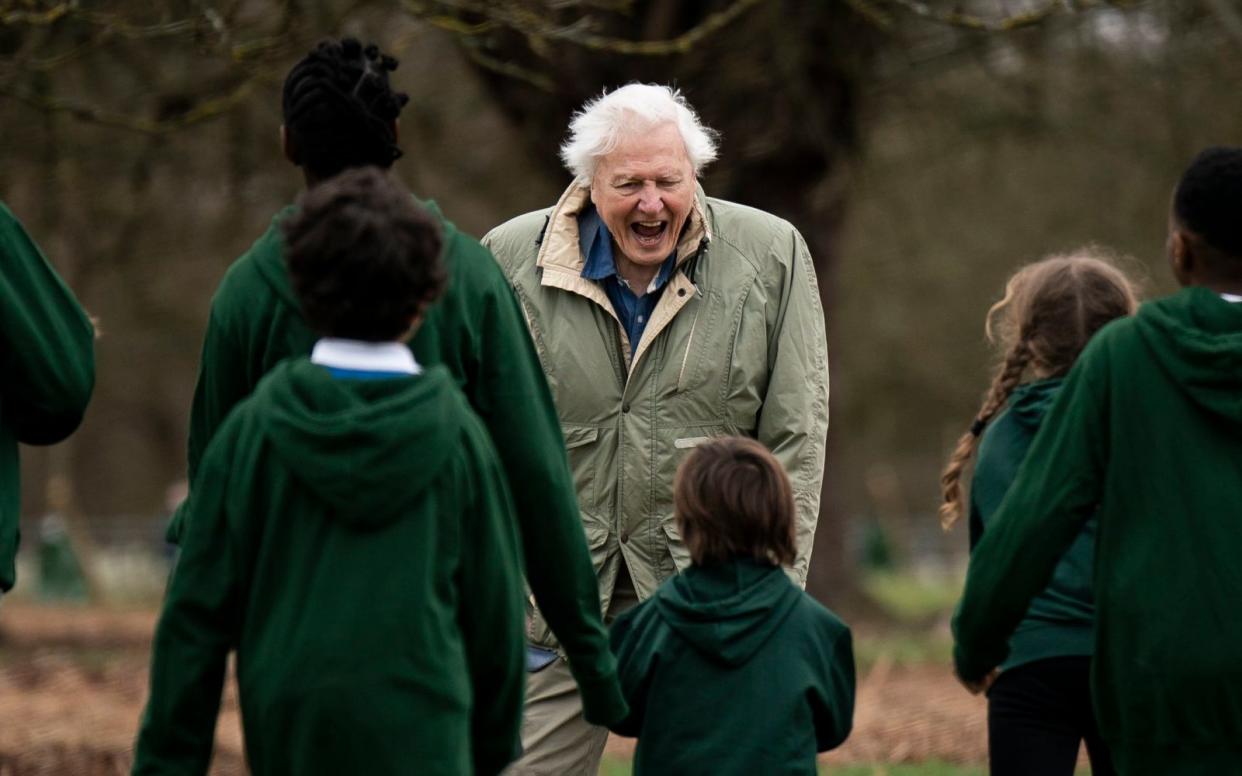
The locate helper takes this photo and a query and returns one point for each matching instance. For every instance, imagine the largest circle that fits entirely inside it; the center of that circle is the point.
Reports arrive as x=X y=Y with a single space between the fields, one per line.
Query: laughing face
x=644 y=190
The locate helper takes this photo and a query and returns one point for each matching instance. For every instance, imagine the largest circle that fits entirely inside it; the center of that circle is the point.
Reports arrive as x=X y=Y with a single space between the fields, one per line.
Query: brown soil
x=73 y=683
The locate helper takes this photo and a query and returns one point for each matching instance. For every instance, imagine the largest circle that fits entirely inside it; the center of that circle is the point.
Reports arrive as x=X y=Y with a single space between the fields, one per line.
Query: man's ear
x=288 y=147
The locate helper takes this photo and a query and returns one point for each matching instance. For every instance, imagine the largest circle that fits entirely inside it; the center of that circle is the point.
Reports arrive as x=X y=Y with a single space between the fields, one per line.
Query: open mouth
x=649 y=233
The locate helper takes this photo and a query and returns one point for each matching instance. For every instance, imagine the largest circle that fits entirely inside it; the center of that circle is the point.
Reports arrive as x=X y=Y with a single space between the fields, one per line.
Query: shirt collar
x=596 y=244
x=1231 y=297
x=595 y=241
x=360 y=356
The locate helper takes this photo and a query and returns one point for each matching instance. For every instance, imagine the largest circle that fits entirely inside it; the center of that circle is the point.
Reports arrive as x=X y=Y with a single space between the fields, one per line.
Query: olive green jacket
x=735 y=345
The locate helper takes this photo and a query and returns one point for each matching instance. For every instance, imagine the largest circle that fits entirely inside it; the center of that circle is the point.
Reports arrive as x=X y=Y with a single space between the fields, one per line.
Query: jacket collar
x=560 y=250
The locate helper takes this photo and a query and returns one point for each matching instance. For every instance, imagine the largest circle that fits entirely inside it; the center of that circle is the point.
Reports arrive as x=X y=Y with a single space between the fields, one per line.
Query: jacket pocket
x=678 y=553
x=537 y=630
x=580 y=447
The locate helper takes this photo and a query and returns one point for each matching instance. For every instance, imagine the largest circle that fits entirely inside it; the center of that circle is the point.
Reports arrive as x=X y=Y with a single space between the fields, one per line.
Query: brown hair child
x=730 y=667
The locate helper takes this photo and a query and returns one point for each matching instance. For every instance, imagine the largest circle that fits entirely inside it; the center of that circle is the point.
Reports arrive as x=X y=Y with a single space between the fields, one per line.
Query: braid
x=1006 y=379
x=339 y=108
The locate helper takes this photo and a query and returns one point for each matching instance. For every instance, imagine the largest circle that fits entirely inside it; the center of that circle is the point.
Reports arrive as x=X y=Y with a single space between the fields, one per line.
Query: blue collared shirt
x=634 y=310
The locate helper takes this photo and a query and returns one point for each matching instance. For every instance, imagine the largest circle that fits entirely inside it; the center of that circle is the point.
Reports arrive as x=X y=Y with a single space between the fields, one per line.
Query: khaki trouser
x=556 y=740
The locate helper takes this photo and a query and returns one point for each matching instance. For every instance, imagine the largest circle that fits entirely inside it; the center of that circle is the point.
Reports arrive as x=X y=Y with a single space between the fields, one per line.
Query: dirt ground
x=73 y=683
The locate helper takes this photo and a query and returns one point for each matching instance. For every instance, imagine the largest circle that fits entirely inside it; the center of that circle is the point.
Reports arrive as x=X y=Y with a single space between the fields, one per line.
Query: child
x=1146 y=435
x=730 y=668
x=1039 y=709
x=340 y=111
x=47 y=367
x=350 y=534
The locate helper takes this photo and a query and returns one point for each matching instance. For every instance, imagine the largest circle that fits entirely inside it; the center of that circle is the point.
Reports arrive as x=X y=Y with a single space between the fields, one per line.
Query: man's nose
x=649 y=201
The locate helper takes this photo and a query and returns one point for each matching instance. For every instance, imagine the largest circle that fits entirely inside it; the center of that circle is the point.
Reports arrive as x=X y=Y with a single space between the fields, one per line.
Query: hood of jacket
x=365 y=447
x=728 y=611
x=1029 y=402
x=268 y=252
x=1196 y=338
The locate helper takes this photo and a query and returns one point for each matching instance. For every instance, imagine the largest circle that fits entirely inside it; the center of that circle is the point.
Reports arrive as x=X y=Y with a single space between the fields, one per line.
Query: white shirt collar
x=1231 y=297
x=365 y=356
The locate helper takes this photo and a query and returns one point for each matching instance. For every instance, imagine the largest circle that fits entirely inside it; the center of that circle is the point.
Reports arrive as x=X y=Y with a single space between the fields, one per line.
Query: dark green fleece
x=1061 y=617
x=354 y=542
x=47 y=367
x=731 y=669
x=1148 y=430
x=478 y=333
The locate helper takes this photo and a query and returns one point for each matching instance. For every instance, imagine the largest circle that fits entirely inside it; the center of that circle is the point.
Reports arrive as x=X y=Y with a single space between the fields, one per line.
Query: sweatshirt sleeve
x=222 y=383
x=196 y=631
x=47 y=348
x=793 y=422
x=513 y=397
x=832 y=700
x=491 y=613
x=634 y=664
x=1056 y=491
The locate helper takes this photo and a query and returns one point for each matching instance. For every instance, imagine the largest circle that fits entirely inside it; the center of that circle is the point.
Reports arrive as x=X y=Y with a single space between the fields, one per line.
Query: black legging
x=1038 y=713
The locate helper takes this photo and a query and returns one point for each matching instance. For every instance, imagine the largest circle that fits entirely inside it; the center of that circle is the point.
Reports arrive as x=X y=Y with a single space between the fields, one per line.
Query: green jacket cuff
x=967 y=669
x=602 y=701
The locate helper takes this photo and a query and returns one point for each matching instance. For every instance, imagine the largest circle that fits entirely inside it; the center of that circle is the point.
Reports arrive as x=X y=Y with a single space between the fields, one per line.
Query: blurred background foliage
x=924 y=149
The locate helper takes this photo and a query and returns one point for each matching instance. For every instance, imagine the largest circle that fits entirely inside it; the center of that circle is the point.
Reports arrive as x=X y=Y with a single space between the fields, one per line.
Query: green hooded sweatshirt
x=1148 y=430
x=477 y=331
x=354 y=542
x=731 y=669
x=1061 y=617
x=47 y=368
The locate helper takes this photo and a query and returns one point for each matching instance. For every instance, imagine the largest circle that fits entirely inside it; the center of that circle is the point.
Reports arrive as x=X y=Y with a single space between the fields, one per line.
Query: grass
x=913 y=598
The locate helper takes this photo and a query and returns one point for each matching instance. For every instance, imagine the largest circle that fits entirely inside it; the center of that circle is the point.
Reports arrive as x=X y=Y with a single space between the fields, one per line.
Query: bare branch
x=510 y=70
x=204 y=110
x=979 y=23
x=869 y=11
x=579 y=32
x=1229 y=16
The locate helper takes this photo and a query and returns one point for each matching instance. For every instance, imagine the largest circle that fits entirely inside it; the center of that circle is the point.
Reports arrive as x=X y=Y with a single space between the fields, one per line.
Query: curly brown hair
x=363 y=256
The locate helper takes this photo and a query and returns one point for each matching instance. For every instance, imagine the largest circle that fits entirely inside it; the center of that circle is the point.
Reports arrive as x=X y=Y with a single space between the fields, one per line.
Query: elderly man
x=663 y=318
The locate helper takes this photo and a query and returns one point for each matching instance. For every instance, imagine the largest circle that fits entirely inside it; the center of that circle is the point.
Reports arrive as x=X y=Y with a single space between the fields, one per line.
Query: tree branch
x=202 y=111
x=579 y=33
x=979 y=23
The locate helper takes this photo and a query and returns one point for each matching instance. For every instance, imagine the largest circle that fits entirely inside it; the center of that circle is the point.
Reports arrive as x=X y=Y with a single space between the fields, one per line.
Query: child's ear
x=415 y=321
x=287 y=146
x=1181 y=258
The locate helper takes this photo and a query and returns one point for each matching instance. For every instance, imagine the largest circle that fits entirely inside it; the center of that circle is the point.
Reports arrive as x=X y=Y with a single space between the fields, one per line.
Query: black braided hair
x=1208 y=201
x=339 y=108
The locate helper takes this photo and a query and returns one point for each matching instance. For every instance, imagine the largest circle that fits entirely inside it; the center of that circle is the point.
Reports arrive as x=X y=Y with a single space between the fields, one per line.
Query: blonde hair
x=1050 y=309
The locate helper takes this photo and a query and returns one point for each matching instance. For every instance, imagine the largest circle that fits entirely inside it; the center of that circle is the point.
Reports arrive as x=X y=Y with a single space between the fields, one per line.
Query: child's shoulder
x=813 y=615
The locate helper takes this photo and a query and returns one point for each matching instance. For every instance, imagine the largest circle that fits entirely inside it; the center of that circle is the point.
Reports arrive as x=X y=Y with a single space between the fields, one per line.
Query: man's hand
x=980 y=685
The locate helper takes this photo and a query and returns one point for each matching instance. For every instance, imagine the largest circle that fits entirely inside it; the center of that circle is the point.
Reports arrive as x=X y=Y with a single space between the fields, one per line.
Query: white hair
x=604 y=121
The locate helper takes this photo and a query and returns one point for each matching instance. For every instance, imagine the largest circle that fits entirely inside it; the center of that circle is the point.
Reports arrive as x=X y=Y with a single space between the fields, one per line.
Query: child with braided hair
x=340 y=111
x=1039 y=706
x=1144 y=438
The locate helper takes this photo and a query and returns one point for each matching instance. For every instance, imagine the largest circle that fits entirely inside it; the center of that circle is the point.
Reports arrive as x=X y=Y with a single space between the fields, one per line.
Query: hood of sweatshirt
x=365 y=447
x=268 y=252
x=1029 y=402
x=728 y=611
x=1196 y=338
